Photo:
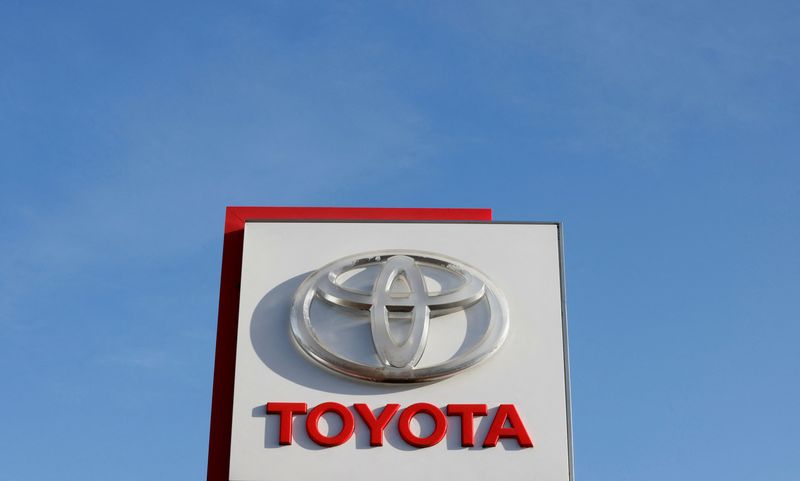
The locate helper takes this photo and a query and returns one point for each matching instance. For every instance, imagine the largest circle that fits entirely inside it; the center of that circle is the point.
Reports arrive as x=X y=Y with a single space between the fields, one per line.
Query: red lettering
x=286 y=411
x=467 y=412
x=376 y=425
x=312 y=427
x=439 y=425
x=506 y=424
x=515 y=429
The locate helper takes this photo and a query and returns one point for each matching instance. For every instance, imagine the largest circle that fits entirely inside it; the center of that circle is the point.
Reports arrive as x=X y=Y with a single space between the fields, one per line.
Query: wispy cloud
x=142 y=358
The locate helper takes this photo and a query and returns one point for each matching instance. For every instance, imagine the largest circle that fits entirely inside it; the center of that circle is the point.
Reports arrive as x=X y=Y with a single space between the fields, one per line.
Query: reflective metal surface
x=399 y=292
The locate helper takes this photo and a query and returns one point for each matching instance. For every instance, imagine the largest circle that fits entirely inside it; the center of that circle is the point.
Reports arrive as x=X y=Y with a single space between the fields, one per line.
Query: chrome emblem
x=400 y=293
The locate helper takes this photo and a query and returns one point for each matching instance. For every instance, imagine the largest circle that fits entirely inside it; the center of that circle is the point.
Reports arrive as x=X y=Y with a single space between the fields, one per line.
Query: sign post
x=361 y=344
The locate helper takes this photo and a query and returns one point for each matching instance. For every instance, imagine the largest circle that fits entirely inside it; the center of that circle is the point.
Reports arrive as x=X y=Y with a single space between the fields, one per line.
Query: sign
x=365 y=344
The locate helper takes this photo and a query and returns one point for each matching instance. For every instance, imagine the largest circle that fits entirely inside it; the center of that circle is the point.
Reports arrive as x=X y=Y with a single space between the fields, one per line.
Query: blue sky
x=663 y=134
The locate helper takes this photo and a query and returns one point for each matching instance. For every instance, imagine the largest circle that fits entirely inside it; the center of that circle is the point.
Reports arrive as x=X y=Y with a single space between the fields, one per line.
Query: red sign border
x=219 y=445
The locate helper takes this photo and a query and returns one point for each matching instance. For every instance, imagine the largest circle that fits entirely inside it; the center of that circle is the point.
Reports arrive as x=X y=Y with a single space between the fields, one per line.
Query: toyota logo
x=399 y=293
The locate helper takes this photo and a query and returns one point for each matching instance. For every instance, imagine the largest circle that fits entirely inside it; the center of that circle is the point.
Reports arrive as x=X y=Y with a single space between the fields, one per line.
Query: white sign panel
x=392 y=351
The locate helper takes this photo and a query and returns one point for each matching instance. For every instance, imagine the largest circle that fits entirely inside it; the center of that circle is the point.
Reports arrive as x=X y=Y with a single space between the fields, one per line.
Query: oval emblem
x=401 y=293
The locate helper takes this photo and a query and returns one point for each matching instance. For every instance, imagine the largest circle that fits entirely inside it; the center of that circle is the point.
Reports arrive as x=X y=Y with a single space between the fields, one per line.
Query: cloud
x=138 y=172
x=142 y=358
x=635 y=82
